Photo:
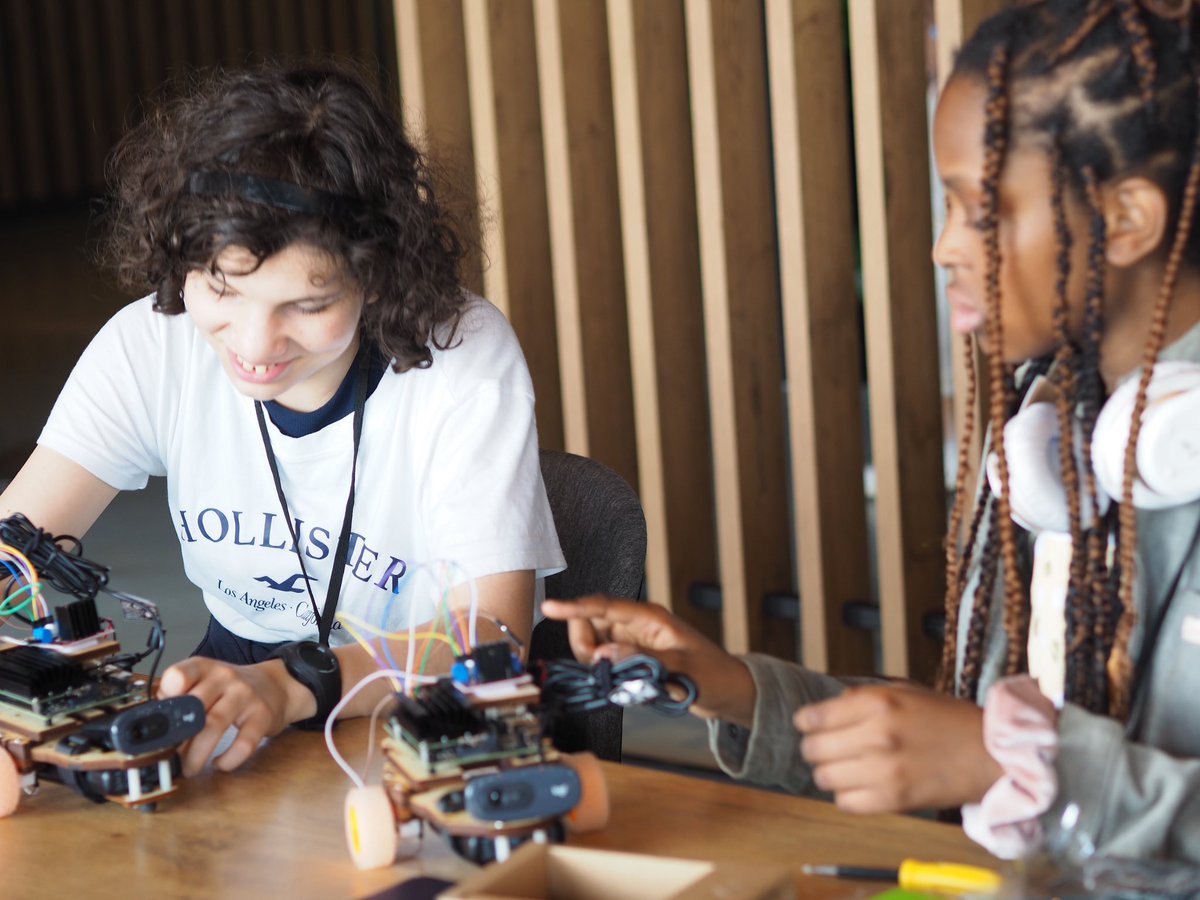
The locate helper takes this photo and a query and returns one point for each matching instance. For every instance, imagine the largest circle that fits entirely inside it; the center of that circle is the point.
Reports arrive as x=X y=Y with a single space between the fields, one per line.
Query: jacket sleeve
x=1133 y=800
x=769 y=752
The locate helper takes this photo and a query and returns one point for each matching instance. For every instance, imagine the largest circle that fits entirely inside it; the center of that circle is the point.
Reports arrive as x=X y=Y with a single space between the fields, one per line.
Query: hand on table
x=604 y=628
x=253 y=699
x=889 y=748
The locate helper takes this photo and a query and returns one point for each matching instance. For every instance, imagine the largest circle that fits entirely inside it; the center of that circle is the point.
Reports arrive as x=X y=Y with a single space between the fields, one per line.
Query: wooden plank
x=585 y=232
x=431 y=52
x=232 y=32
x=35 y=178
x=142 y=23
x=410 y=56
x=741 y=312
x=339 y=30
x=202 y=33
x=98 y=129
x=10 y=180
x=312 y=28
x=290 y=38
x=384 y=25
x=367 y=43
x=56 y=93
x=662 y=280
x=174 y=39
x=116 y=53
x=888 y=36
x=264 y=34
x=506 y=128
x=814 y=200
x=559 y=186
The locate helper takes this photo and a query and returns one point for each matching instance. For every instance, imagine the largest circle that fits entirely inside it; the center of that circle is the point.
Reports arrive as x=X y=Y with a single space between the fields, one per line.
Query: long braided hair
x=1108 y=88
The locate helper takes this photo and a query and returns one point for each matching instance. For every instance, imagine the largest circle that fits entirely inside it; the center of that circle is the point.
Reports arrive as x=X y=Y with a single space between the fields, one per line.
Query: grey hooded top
x=1137 y=796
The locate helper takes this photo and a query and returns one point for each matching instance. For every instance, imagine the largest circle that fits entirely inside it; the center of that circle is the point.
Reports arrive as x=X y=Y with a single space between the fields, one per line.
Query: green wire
x=443 y=615
x=4 y=605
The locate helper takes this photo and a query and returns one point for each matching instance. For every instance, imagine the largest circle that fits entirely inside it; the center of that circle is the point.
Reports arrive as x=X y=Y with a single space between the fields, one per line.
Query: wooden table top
x=275 y=828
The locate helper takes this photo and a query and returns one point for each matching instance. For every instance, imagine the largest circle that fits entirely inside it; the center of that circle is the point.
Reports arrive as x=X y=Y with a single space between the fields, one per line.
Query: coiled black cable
x=62 y=567
x=60 y=563
x=572 y=687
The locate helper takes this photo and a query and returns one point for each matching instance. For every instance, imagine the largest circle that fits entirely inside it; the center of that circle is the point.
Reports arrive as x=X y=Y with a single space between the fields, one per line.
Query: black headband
x=269 y=192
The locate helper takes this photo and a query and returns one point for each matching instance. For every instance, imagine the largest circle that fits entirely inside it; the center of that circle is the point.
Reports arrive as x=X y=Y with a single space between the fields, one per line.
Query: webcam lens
x=149 y=728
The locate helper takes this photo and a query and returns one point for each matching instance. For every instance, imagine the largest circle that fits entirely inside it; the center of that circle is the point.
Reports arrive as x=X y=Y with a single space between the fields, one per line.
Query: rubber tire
x=370 y=827
x=10 y=784
x=482 y=850
x=593 y=810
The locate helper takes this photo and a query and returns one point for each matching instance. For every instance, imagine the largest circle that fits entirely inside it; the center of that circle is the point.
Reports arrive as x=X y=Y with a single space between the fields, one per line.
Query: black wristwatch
x=314 y=666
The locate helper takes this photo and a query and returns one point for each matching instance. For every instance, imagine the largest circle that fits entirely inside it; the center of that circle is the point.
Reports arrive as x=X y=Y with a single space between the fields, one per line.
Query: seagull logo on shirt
x=288 y=587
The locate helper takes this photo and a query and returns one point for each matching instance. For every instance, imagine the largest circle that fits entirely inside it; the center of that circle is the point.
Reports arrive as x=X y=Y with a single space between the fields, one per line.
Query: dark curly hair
x=1109 y=89
x=323 y=129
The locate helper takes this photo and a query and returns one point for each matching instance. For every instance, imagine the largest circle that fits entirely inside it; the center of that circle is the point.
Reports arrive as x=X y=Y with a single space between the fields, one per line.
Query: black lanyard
x=324 y=615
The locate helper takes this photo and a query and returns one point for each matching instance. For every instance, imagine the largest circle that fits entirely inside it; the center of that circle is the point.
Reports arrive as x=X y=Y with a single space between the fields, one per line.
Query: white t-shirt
x=447 y=471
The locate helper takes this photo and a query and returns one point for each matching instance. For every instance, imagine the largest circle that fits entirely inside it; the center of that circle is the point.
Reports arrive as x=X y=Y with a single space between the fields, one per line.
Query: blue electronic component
x=486 y=663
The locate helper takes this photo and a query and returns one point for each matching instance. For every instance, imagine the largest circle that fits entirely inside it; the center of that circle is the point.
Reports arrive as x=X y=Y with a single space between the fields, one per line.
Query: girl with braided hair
x=1067 y=139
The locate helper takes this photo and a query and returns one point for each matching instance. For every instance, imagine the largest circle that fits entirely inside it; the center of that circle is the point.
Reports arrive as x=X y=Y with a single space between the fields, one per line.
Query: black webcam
x=528 y=792
x=150 y=726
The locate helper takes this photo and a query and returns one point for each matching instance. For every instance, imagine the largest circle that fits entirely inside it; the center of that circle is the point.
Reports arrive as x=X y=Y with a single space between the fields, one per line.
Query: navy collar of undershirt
x=300 y=424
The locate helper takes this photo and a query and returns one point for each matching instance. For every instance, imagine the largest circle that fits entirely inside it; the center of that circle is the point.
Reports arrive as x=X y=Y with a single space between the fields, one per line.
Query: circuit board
x=109 y=686
x=447 y=727
x=41 y=691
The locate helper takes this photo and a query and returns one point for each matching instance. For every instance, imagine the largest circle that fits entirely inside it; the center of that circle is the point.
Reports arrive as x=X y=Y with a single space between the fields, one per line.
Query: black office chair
x=603 y=535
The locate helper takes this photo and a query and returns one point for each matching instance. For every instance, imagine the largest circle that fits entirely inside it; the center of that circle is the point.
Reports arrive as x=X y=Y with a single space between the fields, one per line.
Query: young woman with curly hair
x=330 y=408
x=1068 y=139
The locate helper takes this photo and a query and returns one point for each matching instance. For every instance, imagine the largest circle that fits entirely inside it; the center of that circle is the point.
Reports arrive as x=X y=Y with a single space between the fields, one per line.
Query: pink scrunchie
x=1020 y=731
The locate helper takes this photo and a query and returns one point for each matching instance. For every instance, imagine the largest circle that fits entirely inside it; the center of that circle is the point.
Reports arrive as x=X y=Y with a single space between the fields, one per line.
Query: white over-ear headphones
x=1168 y=453
x=1036 y=494
x=1168 y=450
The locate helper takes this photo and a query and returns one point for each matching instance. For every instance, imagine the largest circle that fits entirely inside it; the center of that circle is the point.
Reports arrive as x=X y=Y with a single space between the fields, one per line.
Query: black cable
x=66 y=570
x=138 y=608
x=573 y=687
x=63 y=568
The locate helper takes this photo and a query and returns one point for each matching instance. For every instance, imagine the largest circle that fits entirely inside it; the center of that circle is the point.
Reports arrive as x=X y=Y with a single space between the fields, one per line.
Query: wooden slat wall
x=738 y=265
x=662 y=283
x=663 y=196
x=511 y=174
x=585 y=232
x=814 y=208
x=433 y=84
x=889 y=77
x=71 y=71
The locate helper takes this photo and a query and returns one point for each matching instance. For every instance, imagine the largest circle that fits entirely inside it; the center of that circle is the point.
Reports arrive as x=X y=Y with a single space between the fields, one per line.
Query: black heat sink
x=33 y=673
x=438 y=712
x=77 y=620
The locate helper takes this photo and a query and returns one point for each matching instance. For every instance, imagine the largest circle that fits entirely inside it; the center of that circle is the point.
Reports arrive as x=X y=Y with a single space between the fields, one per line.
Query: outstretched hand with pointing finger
x=603 y=628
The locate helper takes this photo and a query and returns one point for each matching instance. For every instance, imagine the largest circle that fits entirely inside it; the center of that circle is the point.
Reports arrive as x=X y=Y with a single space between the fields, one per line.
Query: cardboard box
x=544 y=872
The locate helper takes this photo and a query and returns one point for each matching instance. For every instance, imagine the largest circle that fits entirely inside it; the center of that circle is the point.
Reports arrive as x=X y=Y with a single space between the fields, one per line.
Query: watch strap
x=324 y=680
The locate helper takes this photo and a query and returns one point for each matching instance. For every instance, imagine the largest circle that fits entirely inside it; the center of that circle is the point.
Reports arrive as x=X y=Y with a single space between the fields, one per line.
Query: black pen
x=863 y=873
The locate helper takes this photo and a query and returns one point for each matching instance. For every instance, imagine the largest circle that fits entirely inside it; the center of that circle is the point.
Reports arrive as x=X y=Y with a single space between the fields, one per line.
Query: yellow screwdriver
x=915 y=875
